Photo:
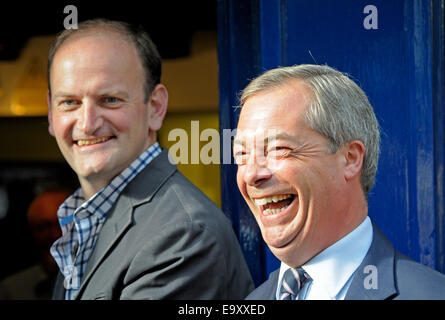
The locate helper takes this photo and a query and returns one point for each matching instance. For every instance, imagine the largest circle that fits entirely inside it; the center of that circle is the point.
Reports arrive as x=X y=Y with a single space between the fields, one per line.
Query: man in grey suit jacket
x=136 y=228
x=307 y=148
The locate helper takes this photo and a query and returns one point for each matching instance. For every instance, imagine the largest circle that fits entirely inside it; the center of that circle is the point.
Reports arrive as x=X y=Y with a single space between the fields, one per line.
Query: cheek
x=240 y=180
x=62 y=125
x=128 y=119
x=276 y=165
x=242 y=186
x=288 y=171
x=122 y=120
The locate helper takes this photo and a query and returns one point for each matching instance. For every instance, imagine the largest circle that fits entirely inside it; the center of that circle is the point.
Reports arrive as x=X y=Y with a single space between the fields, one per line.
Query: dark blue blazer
x=398 y=277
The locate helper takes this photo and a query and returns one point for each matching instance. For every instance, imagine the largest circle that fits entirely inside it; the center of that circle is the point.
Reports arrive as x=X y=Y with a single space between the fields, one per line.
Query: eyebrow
x=119 y=93
x=103 y=94
x=62 y=95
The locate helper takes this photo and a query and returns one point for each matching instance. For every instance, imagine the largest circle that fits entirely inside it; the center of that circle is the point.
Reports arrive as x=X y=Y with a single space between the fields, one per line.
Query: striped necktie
x=293 y=281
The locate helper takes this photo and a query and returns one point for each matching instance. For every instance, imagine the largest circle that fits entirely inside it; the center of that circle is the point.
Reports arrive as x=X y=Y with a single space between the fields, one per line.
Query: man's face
x=97 y=110
x=286 y=173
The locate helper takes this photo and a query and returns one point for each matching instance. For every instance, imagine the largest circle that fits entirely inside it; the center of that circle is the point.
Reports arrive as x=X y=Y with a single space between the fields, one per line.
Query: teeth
x=266 y=200
x=274 y=211
x=92 y=141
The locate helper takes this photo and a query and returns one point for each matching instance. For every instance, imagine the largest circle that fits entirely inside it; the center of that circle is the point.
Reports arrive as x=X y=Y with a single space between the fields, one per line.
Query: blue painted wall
x=399 y=66
x=236 y=43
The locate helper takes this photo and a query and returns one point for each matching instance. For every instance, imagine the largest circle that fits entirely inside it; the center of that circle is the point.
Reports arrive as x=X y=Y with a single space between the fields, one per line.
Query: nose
x=90 y=119
x=257 y=172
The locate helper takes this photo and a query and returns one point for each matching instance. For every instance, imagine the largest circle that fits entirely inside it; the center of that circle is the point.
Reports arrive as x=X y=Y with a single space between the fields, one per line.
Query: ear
x=50 y=121
x=158 y=107
x=354 y=153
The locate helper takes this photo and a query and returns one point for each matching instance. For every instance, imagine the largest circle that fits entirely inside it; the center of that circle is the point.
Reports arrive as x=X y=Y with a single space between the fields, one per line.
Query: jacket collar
x=375 y=278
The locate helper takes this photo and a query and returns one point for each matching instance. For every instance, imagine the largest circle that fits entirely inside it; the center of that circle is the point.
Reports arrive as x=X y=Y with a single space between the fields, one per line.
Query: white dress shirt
x=331 y=270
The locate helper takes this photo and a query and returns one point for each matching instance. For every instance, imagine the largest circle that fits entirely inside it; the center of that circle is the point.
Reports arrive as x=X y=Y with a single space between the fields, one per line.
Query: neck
x=94 y=183
x=89 y=189
x=349 y=215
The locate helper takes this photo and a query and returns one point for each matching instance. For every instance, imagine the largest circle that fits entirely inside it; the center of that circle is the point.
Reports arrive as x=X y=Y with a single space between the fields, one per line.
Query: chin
x=92 y=171
x=275 y=243
x=284 y=246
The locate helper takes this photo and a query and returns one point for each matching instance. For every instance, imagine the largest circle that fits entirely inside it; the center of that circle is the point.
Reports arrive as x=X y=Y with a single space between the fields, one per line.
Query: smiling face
x=295 y=187
x=97 y=111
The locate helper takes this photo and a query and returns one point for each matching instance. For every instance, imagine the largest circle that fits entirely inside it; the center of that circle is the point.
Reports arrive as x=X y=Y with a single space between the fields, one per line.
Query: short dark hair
x=148 y=53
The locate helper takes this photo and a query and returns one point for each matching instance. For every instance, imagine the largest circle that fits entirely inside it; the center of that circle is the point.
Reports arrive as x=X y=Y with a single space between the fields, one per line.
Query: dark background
x=170 y=23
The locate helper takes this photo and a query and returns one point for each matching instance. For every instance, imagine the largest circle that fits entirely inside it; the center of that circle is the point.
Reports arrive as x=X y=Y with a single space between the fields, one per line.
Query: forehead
x=282 y=108
x=95 y=52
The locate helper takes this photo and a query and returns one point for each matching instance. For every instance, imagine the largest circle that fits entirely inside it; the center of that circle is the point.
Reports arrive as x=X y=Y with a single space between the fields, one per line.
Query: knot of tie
x=293 y=281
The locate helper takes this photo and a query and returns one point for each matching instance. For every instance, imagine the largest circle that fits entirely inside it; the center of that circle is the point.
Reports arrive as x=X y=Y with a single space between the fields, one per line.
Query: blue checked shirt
x=81 y=222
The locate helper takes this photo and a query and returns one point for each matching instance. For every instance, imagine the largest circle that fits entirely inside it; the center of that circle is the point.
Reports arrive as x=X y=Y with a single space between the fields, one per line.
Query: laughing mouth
x=274 y=204
x=86 y=142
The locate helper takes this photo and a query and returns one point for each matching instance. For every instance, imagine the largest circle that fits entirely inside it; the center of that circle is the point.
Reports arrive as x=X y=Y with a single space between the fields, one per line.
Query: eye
x=279 y=151
x=240 y=157
x=68 y=104
x=111 y=100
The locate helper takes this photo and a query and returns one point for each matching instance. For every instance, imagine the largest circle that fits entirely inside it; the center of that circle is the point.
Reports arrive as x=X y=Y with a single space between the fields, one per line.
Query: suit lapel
x=148 y=181
x=267 y=290
x=379 y=262
x=143 y=187
x=273 y=284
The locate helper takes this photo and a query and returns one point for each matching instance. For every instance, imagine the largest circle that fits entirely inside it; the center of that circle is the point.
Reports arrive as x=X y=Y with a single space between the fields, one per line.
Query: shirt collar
x=332 y=268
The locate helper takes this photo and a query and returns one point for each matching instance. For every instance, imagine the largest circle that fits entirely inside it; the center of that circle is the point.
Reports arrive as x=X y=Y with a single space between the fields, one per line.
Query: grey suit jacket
x=398 y=277
x=164 y=239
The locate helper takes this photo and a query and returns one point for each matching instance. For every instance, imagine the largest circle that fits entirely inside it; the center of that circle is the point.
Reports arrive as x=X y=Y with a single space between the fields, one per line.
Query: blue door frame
x=400 y=65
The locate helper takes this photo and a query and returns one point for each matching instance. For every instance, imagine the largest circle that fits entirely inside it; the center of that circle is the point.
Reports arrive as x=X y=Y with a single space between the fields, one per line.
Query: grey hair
x=339 y=110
